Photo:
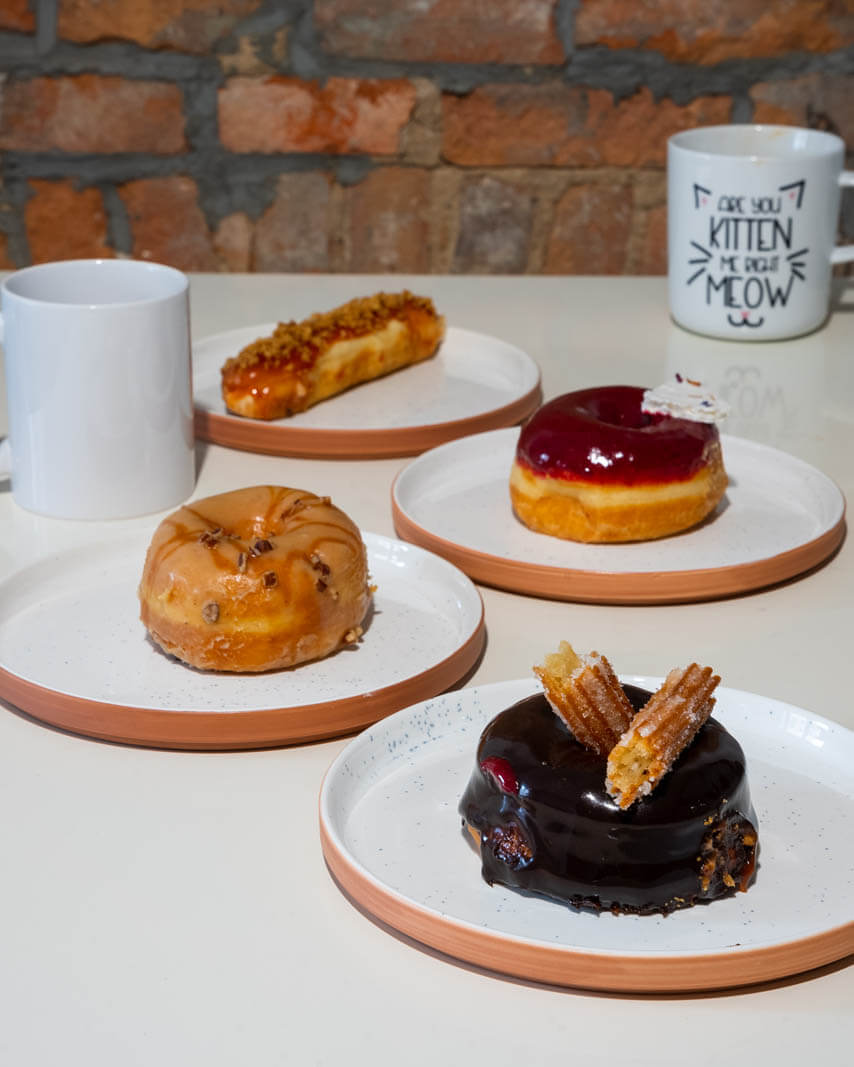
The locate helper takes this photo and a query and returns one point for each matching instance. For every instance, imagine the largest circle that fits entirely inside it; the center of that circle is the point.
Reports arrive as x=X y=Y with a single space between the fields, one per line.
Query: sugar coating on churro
x=586 y=694
x=663 y=727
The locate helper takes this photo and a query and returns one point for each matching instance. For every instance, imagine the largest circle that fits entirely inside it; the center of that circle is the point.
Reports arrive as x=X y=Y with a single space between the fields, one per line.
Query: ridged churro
x=586 y=694
x=659 y=732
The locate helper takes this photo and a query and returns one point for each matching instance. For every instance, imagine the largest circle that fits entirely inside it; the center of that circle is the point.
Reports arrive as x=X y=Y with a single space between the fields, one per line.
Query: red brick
x=293 y=233
x=63 y=222
x=185 y=25
x=695 y=31
x=590 y=231
x=233 y=241
x=17 y=15
x=345 y=115
x=447 y=31
x=90 y=113
x=495 y=224
x=390 y=222
x=557 y=124
x=167 y=223
x=6 y=262
x=818 y=100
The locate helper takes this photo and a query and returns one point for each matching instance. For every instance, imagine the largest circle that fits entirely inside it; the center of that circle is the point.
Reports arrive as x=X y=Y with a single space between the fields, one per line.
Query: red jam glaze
x=601 y=435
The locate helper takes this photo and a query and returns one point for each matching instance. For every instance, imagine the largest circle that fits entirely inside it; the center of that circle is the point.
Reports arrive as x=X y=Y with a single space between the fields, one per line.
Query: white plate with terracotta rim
x=779 y=518
x=73 y=653
x=474 y=382
x=392 y=838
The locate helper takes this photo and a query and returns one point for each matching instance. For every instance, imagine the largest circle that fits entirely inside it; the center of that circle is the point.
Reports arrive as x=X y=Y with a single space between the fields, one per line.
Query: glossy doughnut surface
x=592 y=466
x=254 y=580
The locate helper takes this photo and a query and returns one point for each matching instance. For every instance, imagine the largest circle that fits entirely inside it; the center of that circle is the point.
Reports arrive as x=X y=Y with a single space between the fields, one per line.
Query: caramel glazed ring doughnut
x=255 y=579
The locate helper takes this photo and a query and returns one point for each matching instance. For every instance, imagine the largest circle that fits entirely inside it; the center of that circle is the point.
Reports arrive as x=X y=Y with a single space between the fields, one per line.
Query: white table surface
x=174 y=908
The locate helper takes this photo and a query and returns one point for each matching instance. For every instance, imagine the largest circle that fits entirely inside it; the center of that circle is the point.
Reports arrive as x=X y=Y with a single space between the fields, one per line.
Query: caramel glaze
x=547 y=826
x=601 y=435
x=294 y=348
x=255 y=579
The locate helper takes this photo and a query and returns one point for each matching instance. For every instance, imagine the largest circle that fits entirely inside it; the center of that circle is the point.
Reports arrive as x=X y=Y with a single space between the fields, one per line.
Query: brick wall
x=466 y=136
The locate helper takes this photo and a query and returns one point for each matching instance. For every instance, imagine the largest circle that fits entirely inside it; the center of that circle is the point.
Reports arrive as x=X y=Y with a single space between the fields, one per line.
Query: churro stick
x=586 y=694
x=659 y=732
x=302 y=363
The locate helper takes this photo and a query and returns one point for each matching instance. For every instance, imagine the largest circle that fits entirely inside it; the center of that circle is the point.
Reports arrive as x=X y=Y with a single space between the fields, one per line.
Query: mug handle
x=5 y=448
x=844 y=253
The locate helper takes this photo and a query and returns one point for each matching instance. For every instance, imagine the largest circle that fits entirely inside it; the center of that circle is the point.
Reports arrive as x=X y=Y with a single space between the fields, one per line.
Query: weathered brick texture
x=63 y=222
x=17 y=15
x=294 y=233
x=558 y=125
x=167 y=224
x=89 y=113
x=186 y=25
x=693 y=31
x=277 y=114
x=591 y=230
x=515 y=136
x=446 y=31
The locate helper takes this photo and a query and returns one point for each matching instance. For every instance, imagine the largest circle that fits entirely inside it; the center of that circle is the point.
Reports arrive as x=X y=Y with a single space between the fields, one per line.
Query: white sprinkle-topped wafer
x=684 y=398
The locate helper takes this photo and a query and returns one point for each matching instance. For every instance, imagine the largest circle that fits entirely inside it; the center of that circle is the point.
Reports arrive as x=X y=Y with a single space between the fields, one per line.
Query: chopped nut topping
x=320 y=585
x=209 y=538
x=260 y=545
x=241 y=562
x=353 y=635
x=298 y=344
x=318 y=564
x=270 y=579
x=294 y=507
x=210 y=612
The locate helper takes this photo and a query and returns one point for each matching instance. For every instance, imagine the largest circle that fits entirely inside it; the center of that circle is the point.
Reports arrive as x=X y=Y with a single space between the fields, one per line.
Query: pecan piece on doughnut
x=210 y=611
x=587 y=695
x=659 y=732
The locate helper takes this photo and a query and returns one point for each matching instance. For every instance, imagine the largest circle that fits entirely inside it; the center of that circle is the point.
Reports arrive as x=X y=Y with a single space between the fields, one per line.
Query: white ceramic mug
x=752 y=213
x=98 y=376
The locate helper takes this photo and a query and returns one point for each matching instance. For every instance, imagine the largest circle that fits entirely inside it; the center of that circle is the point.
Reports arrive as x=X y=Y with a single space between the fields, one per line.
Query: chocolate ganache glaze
x=601 y=435
x=537 y=800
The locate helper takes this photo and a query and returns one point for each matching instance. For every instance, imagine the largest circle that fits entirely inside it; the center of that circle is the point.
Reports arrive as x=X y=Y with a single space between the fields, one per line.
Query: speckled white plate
x=392 y=837
x=74 y=653
x=475 y=382
x=779 y=518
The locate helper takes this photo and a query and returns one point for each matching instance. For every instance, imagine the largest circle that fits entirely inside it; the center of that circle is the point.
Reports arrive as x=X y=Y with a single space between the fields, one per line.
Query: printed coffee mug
x=98 y=377
x=752 y=213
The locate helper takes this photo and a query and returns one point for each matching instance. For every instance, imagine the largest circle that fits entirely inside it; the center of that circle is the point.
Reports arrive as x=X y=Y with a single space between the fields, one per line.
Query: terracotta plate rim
x=624 y=587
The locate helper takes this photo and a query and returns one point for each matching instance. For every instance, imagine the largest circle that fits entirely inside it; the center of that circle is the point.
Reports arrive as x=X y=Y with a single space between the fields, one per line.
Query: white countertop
x=174 y=908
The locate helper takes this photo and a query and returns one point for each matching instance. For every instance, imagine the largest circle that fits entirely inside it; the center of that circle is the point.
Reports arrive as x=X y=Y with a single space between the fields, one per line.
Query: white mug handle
x=844 y=253
x=5 y=448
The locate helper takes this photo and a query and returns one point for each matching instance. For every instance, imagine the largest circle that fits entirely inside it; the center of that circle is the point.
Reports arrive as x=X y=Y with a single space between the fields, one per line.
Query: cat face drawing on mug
x=752 y=213
x=752 y=254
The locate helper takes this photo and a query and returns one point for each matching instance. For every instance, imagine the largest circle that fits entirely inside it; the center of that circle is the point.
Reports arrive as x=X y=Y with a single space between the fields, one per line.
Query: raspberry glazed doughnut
x=255 y=580
x=594 y=466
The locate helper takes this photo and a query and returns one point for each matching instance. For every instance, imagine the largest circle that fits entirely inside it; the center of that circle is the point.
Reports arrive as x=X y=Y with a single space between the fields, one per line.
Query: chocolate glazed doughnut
x=255 y=579
x=537 y=804
x=592 y=466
